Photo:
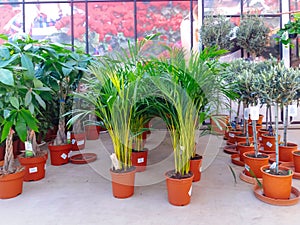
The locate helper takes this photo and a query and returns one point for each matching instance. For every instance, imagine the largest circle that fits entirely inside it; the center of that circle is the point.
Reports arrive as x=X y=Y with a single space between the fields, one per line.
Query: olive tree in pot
x=279 y=85
x=62 y=71
x=21 y=96
x=252 y=35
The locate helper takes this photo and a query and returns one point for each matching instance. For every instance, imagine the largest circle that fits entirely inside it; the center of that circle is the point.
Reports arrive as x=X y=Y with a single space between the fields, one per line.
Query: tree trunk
x=8 y=166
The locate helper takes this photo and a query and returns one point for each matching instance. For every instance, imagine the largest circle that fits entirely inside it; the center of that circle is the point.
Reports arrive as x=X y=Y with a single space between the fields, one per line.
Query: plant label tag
x=190 y=191
x=231 y=135
x=45 y=167
x=33 y=170
x=70 y=154
x=247 y=167
x=28 y=146
x=254 y=113
x=260 y=138
x=292 y=110
x=68 y=137
x=269 y=144
x=73 y=141
x=63 y=156
x=246 y=113
x=140 y=160
x=273 y=166
x=81 y=142
x=114 y=161
x=200 y=169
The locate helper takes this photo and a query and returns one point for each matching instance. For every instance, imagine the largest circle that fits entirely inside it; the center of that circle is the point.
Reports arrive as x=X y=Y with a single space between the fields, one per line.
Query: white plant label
x=247 y=167
x=63 y=156
x=73 y=141
x=81 y=142
x=260 y=138
x=190 y=191
x=28 y=146
x=269 y=144
x=246 y=113
x=254 y=113
x=292 y=110
x=200 y=169
x=231 y=135
x=45 y=167
x=33 y=170
x=140 y=160
x=114 y=161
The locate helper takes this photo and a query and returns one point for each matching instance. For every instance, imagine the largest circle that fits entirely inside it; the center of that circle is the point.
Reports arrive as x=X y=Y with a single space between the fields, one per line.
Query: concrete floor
x=81 y=194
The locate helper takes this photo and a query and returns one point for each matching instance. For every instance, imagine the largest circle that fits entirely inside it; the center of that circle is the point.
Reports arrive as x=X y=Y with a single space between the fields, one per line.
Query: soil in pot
x=123 y=182
x=196 y=167
x=34 y=166
x=285 y=152
x=179 y=188
x=296 y=158
x=139 y=159
x=255 y=163
x=277 y=185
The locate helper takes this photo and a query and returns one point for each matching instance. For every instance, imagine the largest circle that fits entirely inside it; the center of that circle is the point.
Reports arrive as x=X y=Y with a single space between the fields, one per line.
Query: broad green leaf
x=37 y=83
x=5 y=130
x=39 y=100
x=31 y=108
x=29 y=119
x=6 y=77
x=21 y=128
x=27 y=63
x=14 y=102
x=28 y=98
x=28 y=46
x=66 y=71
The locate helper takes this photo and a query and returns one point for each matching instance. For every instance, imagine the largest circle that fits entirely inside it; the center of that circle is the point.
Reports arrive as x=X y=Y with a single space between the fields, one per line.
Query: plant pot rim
x=169 y=173
x=129 y=170
x=253 y=152
x=280 y=167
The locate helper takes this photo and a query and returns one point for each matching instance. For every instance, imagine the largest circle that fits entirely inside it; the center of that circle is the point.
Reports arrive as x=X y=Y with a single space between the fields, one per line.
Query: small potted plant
x=289 y=31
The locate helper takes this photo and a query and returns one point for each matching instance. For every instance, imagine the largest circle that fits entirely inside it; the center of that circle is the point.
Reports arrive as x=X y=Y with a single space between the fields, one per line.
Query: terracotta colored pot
x=123 y=183
x=59 y=154
x=139 y=159
x=34 y=167
x=242 y=138
x=78 y=141
x=277 y=186
x=296 y=158
x=226 y=133
x=255 y=163
x=11 y=185
x=250 y=129
x=179 y=190
x=18 y=145
x=285 y=152
x=91 y=132
x=242 y=148
x=268 y=142
x=232 y=134
x=195 y=167
x=260 y=132
x=222 y=120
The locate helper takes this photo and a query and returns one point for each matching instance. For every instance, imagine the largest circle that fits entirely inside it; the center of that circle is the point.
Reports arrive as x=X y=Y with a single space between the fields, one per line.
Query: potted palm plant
x=280 y=85
x=21 y=96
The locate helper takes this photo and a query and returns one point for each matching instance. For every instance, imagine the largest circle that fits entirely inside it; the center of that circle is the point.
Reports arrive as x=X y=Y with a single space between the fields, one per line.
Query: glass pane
x=273 y=47
x=11 y=19
x=262 y=6
x=224 y=7
x=294 y=5
x=79 y=26
x=164 y=17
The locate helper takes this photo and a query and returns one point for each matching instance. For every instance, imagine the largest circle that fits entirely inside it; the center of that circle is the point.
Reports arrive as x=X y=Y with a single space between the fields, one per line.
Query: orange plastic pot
x=232 y=134
x=259 y=121
x=59 y=154
x=255 y=163
x=91 y=132
x=139 y=159
x=34 y=167
x=78 y=141
x=195 y=167
x=222 y=120
x=179 y=190
x=285 y=152
x=250 y=128
x=242 y=148
x=11 y=185
x=242 y=138
x=260 y=132
x=123 y=183
x=277 y=186
x=296 y=158
x=268 y=142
